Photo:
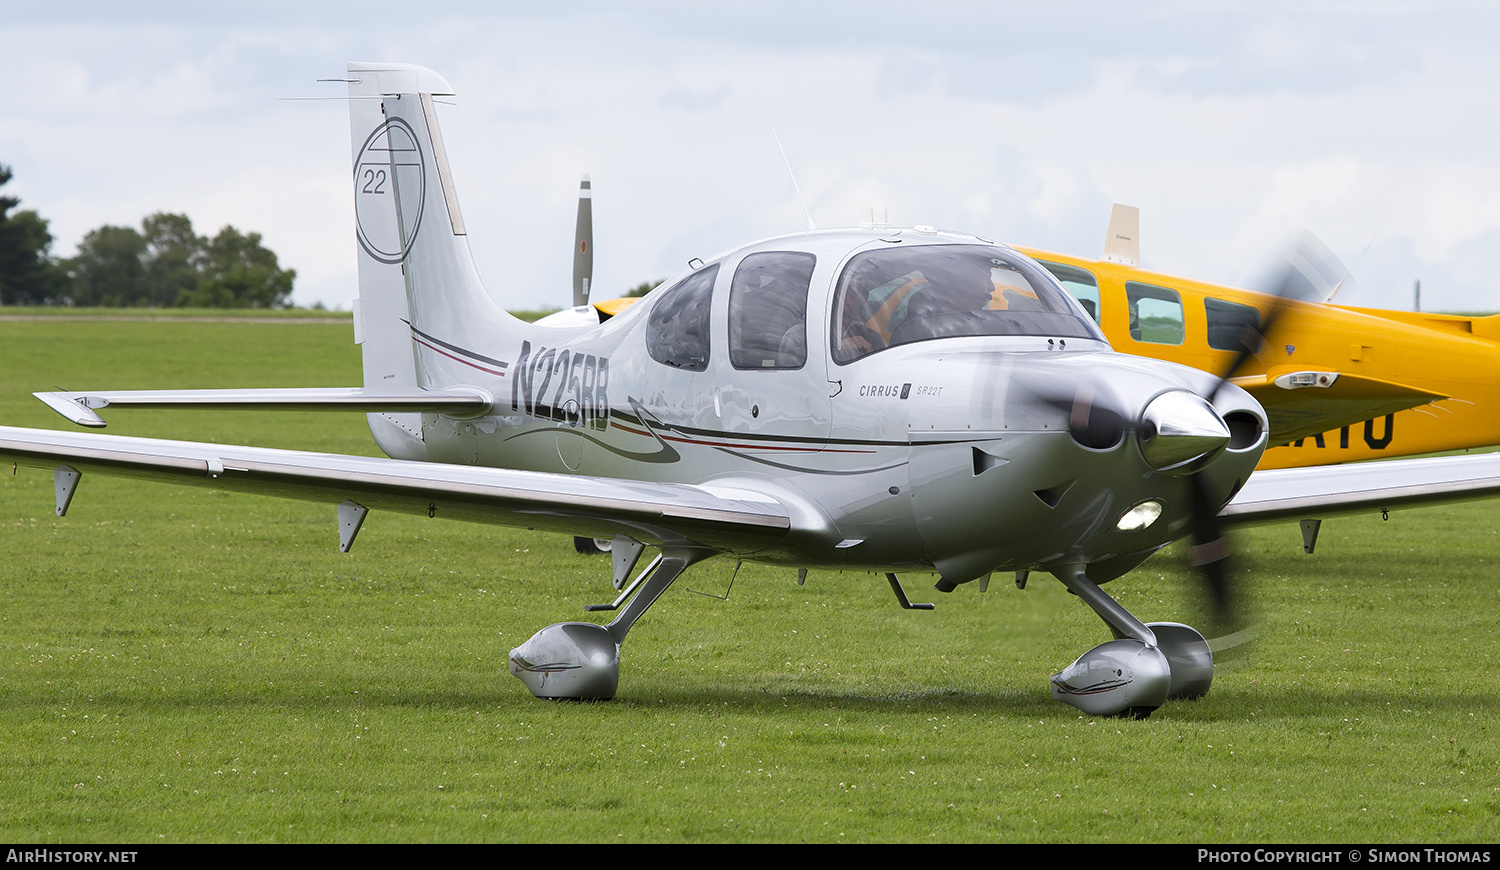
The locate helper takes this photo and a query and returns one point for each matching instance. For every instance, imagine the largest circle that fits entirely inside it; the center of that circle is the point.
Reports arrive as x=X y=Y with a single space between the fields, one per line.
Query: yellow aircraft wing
x=1300 y=404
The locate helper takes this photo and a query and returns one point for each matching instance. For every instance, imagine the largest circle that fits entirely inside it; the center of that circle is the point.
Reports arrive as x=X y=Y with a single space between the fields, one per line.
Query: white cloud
x=1228 y=125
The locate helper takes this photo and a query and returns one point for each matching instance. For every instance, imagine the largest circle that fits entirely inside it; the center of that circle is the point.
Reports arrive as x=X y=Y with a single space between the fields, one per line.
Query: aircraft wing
x=1304 y=403
x=1332 y=490
x=731 y=519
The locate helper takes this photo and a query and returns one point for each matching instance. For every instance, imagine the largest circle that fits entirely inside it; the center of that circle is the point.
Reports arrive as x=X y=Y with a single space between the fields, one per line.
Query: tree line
x=165 y=263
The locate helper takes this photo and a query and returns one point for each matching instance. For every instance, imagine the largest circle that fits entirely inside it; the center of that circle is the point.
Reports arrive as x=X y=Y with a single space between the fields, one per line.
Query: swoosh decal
x=458 y=354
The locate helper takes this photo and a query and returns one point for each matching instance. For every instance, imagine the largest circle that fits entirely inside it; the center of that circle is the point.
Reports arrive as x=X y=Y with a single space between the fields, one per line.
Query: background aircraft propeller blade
x=583 y=243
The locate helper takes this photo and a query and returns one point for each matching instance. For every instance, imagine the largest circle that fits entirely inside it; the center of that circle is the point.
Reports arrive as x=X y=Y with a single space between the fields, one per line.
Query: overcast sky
x=1229 y=125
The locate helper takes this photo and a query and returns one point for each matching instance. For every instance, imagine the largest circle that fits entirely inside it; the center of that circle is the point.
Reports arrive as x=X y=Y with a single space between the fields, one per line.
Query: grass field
x=39 y=312
x=189 y=665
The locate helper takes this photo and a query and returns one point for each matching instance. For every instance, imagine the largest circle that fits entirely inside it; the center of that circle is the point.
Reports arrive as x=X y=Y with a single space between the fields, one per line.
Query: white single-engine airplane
x=891 y=400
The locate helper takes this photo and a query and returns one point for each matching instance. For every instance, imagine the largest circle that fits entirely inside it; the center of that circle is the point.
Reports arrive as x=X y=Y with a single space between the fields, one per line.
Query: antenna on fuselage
x=583 y=243
x=1122 y=241
x=795 y=185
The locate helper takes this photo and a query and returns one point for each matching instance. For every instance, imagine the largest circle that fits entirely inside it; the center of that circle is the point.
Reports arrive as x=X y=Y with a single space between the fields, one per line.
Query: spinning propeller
x=1310 y=272
x=1180 y=433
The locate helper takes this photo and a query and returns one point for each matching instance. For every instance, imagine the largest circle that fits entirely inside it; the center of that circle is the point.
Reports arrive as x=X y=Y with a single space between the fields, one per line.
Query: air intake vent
x=984 y=461
x=1244 y=430
x=1050 y=497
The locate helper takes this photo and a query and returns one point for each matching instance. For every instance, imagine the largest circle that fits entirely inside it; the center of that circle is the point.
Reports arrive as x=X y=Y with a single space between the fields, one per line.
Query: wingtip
x=73 y=409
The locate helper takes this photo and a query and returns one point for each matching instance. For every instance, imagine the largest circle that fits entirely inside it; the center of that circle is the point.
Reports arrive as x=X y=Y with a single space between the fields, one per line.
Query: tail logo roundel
x=390 y=188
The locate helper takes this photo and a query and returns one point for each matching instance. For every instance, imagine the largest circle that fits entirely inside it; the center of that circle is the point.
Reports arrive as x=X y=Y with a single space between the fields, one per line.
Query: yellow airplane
x=1339 y=383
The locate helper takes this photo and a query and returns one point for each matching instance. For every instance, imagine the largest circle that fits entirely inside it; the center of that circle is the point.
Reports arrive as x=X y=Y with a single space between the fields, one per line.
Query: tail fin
x=1122 y=241
x=419 y=293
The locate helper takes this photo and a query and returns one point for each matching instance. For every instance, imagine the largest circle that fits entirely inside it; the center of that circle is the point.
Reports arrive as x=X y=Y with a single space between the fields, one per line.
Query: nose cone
x=1180 y=432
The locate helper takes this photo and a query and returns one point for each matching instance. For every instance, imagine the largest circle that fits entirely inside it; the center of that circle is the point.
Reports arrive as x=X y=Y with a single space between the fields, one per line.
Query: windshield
x=902 y=295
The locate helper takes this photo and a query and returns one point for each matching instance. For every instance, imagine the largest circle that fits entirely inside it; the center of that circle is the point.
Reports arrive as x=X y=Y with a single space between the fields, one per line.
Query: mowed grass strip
x=190 y=665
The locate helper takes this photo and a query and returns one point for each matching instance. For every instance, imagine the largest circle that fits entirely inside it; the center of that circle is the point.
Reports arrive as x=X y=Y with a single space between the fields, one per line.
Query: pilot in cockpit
x=1012 y=292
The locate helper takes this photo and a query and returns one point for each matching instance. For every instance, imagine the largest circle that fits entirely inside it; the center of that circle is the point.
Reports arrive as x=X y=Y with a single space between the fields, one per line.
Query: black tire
x=592 y=546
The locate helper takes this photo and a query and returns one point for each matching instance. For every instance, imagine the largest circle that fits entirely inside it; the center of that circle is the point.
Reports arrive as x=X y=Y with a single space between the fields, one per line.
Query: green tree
x=109 y=268
x=166 y=263
x=173 y=258
x=28 y=274
x=644 y=287
x=239 y=272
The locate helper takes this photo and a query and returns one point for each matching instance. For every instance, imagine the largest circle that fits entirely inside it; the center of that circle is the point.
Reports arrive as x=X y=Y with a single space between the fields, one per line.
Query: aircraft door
x=771 y=396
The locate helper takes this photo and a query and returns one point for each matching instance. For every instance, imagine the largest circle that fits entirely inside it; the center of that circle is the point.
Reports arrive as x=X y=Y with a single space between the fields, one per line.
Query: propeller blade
x=1210 y=553
x=1094 y=418
x=1308 y=273
x=583 y=244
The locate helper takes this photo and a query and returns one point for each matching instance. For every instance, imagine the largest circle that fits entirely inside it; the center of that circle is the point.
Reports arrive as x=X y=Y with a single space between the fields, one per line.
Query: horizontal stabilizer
x=81 y=407
x=1304 y=403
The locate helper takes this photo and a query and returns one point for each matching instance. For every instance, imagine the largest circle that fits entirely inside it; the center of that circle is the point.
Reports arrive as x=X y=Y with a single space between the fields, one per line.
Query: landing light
x=1140 y=517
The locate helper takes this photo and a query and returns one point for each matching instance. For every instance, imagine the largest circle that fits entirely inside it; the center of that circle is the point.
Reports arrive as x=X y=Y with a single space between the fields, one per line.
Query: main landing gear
x=581 y=660
x=1142 y=668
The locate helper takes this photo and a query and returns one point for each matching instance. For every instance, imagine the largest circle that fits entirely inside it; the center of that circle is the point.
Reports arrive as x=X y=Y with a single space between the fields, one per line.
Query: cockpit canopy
x=902 y=295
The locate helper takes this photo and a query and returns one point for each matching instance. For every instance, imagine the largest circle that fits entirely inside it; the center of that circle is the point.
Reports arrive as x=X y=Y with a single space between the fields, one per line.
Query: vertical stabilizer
x=422 y=308
x=1122 y=241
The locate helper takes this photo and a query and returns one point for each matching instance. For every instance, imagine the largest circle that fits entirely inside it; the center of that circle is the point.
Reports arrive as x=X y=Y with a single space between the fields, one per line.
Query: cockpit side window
x=677 y=331
x=897 y=296
x=1155 y=313
x=1080 y=284
x=768 y=310
x=1227 y=322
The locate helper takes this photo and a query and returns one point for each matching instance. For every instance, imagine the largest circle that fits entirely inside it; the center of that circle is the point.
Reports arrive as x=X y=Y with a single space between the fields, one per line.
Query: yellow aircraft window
x=1227 y=322
x=1155 y=313
x=1080 y=283
x=768 y=310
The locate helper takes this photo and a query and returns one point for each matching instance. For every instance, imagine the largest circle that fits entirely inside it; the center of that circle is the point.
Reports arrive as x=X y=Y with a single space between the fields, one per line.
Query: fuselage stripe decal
x=431 y=340
x=460 y=359
x=617 y=414
x=680 y=440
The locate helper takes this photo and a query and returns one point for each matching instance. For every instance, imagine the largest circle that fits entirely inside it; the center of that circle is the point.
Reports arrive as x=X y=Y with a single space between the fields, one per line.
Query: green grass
x=189 y=665
x=144 y=313
x=51 y=312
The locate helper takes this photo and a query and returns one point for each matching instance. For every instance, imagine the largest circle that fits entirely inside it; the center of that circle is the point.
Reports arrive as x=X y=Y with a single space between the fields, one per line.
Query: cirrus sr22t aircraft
x=888 y=400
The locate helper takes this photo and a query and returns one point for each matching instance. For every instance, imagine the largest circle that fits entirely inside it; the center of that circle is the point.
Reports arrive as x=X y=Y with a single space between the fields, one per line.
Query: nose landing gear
x=1138 y=671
